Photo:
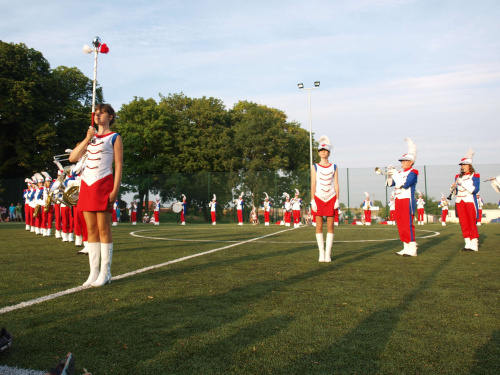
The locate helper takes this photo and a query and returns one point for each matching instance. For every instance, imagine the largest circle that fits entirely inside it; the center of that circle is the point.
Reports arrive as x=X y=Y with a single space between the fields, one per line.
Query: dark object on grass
x=66 y=366
x=5 y=340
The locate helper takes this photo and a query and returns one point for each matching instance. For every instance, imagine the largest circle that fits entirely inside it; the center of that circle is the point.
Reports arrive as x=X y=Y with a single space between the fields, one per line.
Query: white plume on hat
x=411 y=155
x=267 y=196
x=296 y=191
x=468 y=158
x=286 y=195
x=367 y=195
x=183 y=196
x=214 y=198
x=47 y=176
x=419 y=192
x=324 y=143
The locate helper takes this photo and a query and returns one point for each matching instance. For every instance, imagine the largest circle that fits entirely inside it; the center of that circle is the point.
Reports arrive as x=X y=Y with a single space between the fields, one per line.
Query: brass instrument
x=70 y=196
x=37 y=210
x=48 y=201
x=384 y=172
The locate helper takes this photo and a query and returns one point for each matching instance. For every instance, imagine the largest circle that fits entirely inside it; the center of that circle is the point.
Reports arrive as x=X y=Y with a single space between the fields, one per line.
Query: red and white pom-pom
x=104 y=48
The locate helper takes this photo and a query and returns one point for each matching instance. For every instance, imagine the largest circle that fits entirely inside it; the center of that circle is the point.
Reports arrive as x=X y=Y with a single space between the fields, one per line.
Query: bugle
x=384 y=172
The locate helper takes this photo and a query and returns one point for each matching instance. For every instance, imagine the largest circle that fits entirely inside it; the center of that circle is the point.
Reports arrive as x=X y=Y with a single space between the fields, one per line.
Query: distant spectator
x=12 y=212
x=19 y=212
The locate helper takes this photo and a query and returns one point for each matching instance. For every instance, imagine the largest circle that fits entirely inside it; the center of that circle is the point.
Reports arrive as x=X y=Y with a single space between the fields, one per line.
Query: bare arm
x=336 y=184
x=313 y=182
x=81 y=148
x=118 y=152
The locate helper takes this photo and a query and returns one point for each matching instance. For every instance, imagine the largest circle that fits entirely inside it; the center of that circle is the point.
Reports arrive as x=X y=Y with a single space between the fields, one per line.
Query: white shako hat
x=419 y=193
x=324 y=144
x=411 y=155
x=367 y=195
x=28 y=181
x=267 y=196
x=183 y=197
x=214 y=198
x=468 y=158
x=47 y=176
x=286 y=195
x=443 y=196
x=38 y=177
x=296 y=191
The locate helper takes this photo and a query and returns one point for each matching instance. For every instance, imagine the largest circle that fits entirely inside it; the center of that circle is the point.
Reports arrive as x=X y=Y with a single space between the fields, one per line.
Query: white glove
x=314 y=206
x=336 y=206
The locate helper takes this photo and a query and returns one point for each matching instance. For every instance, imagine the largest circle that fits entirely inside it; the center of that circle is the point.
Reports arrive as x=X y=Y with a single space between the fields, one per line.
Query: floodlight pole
x=301 y=87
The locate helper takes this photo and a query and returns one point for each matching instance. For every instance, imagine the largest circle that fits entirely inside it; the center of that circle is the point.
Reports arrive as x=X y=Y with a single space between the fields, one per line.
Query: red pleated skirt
x=96 y=196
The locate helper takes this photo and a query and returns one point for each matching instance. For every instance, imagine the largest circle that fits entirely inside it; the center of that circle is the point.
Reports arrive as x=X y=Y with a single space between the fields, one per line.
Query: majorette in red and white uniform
x=405 y=182
x=40 y=203
x=114 y=216
x=367 y=209
x=213 y=208
x=296 y=206
x=239 y=208
x=495 y=184
x=336 y=217
x=97 y=177
x=133 y=212
x=267 y=210
x=156 y=211
x=480 y=205
x=184 y=210
x=288 y=210
x=467 y=185
x=392 y=210
x=443 y=204
x=420 y=209
x=324 y=202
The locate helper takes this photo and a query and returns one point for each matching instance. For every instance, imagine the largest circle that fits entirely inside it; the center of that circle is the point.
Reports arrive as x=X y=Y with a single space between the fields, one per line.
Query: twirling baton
x=98 y=47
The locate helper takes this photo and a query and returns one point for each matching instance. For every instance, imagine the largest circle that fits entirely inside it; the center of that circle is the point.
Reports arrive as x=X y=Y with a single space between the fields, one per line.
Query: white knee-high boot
x=321 y=246
x=329 y=243
x=106 y=257
x=94 y=250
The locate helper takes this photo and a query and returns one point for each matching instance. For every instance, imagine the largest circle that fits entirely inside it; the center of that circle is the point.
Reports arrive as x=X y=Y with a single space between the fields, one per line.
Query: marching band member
x=32 y=203
x=296 y=205
x=57 y=211
x=480 y=205
x=66 y=213
x=99 y=189
x=213 y=207
x=114 y=217
x=133 y=210
x=156 y=211
x=466 y=187
x=39 y=204
x=184 y=210
x=367 y=205
x=288 y=210
x=267 y=210
x=495 y=184
x=254 y=218
x=239 y=208
x=405 y=182
x=324 y=193
x=336 y=217
x=443 y=204
x=420 y=209
x=26 y=194
x=392 y=210
x=47 y=216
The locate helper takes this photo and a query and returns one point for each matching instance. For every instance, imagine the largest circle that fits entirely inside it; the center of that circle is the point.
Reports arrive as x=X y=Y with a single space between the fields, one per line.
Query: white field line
x=145 y=269
x=433 y=234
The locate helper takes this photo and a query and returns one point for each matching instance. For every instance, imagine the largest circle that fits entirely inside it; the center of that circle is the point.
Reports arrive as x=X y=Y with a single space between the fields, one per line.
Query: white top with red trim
x=325 y=189
x=100 y=156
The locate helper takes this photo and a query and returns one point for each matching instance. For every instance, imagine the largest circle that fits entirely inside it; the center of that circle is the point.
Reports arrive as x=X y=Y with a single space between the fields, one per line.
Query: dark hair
x=107 y=109
x=471 y=169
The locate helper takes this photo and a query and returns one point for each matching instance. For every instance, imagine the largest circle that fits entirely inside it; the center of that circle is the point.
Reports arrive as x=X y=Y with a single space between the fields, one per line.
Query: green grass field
x=261 y=307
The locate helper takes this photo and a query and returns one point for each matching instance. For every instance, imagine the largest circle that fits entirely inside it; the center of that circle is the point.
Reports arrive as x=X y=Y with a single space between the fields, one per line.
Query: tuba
x=70 y=196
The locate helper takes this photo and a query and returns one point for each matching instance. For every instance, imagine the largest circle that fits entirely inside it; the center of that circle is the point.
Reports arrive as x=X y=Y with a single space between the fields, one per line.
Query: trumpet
x=62 y=157
x=385 y=171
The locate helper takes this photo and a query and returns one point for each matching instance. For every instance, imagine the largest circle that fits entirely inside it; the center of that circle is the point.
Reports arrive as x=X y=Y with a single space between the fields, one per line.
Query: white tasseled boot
x=474 y=244
x=106 y=257
x=78 y=240
x=321 y=246
x=94 y=251
x=58 y=234
x=329 y=243
x=71 y=237
x=412 y=250
x=405 y=249
x=49 y=232
x=467 y=245
x=33 y=229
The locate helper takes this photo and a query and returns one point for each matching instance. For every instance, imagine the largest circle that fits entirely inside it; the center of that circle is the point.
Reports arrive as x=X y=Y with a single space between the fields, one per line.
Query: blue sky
x=389 y=69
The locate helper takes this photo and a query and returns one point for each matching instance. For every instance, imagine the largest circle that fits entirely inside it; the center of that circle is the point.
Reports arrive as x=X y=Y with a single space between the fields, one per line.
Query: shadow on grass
x=487 y=357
